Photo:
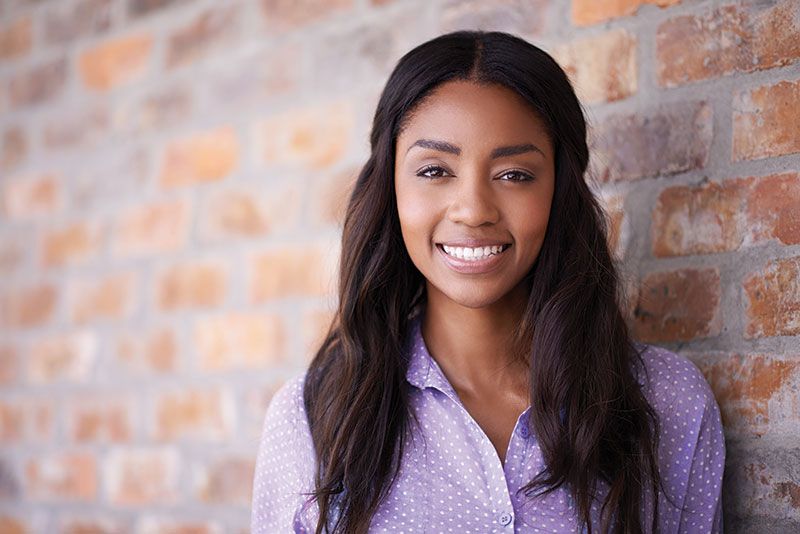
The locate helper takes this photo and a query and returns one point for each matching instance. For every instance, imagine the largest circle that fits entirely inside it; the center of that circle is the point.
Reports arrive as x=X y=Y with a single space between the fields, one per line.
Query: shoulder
x=668 y=379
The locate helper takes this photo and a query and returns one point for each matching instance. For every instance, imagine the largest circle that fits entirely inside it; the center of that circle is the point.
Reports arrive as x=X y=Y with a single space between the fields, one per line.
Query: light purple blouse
x=452 y=480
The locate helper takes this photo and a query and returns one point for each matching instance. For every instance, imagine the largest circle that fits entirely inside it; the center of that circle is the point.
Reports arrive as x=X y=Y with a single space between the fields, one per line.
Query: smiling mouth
x=473 y=253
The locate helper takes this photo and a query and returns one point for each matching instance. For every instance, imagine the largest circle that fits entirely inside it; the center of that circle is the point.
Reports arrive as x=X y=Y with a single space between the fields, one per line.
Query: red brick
x=199 y=284
x=725 y=40
x=283 y=15
x=699 y=219
x=108 y=297
x=249 y=212
x=615 y=217
x=671 y=139
x=762 y=486
x=16 y=38
x=99 y=417
x=29 y=197
x=27 y=420
x=773 y=299
x=161 y=525
x=164 y=106
x=66 y=23
x=9 y=365
x=77 y=126
x=62 y=476
x=115 y=62
x=311 y=138
x=15 y=148
x=328 y=199
x=239 y=340
x=12 y=525
x=37 y=84
x=148 y=351
x=208 y=32
x=587 y=12
x=12 y=253
x=259 y=76
x=753 y=390
x=292 y=271
x=140 y=476
x=679 y=305
x=315 y=327
x=766 y=121
x=92 y=524
x=226 y=481
x=29 y=306
x=602 y=67
x=203 y=157
x=152 y=228
x=71 y=244
x=773 y=209
x=62 y=357
x=194 y=415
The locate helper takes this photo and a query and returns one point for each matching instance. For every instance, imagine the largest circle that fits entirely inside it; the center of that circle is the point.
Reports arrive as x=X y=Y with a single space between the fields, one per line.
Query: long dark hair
x=588 y=412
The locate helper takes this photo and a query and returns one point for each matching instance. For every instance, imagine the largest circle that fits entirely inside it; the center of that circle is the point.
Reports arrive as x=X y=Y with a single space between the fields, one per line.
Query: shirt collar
x=423 y=371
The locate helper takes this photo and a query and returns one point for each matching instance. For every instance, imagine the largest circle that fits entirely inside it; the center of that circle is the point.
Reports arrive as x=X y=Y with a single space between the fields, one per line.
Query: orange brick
x=63 y=357
x=12 y=525
x=68 y=22
x=15 y=148
x=28 y=420
x=248 y=212
x=208 y=32
x=71 y=244
x=29 y=306
x=587 y=12
x=12 y=253
x=9 y=365
x=136 y=477
x=766 y=121
x=152 y=228
x=239 y=340
x=194 y=415
x=615 y=216
x=62 y=476
x=37 y=84
x=147 y=352
x=282 y=15
x=203 y=157
x=292 y=271
x=163 y=106
x=753 y=390
x=30 y=197
x=161 y=525
x=773 y=209
x=328 y=200
x=256 y=400
x=315 y=327
x=16 y=38
x=77 y=126
x=311 y=138
x=773 y=299
x=99 y=417
x=115 y=62
x=602 y=68
x=92 y=524
x=679 y=305
x=725 y=40
x=699 y=220
x=12 y=422
x=108 y=297
x=192 y=285
x=226 y=481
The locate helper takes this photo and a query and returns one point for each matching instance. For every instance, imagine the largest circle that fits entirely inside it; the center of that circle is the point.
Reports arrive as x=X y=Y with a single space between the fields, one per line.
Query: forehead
x=472 y=113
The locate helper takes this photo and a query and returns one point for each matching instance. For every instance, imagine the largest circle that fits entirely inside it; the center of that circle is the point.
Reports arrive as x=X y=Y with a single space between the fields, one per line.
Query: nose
x=473 y=201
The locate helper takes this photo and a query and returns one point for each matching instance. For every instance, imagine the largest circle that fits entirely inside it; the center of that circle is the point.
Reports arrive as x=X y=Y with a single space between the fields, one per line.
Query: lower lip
x=481 y=266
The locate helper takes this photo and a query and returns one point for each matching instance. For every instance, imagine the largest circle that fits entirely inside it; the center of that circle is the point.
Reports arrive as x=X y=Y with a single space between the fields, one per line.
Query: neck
x=473 y=346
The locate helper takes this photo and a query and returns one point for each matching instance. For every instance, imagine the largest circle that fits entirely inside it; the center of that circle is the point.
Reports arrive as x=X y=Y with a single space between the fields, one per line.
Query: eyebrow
x=499 y=152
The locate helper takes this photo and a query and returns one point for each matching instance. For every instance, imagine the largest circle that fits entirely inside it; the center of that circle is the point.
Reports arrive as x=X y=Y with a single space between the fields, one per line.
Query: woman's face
x=474 y=168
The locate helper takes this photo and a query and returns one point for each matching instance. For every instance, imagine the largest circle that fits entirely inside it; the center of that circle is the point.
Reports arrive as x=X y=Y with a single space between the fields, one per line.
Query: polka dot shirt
x=452 y=480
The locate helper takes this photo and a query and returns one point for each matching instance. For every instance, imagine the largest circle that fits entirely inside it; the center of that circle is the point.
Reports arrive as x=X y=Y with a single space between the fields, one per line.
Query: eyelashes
x=522 y=176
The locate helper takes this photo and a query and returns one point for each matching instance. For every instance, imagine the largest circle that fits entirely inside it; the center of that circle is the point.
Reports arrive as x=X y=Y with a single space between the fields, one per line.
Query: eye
x=520 y=176
x=430 y=169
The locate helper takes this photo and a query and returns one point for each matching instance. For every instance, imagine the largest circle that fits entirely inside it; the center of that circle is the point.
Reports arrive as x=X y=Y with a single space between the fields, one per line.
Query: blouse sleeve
x=285 y=465
x=702 y=510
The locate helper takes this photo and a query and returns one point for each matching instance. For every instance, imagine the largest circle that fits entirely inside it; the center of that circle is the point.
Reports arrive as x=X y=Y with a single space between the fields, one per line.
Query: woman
x=478 y=375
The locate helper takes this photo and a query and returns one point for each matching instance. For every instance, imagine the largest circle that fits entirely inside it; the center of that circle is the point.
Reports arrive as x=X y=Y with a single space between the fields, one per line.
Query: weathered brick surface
x=174 y=178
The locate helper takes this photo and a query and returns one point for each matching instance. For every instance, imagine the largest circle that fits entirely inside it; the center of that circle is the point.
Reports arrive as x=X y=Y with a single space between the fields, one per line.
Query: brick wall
x=173 y=177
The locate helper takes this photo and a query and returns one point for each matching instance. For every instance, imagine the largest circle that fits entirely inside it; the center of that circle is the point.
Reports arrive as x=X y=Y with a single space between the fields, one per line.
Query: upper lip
x=469 y=242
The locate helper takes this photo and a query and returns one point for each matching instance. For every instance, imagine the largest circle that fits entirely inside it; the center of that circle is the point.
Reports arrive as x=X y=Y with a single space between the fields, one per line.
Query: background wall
x=173 y=175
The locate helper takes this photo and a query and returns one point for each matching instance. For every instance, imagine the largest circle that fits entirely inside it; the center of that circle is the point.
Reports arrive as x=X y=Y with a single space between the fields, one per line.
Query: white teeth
x=467 y=253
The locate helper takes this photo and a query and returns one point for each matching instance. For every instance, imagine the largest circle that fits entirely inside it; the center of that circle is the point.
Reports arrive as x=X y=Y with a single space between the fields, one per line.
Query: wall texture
x=173 y=177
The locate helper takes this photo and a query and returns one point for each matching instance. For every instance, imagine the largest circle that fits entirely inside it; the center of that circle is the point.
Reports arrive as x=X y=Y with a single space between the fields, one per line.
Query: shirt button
x=505 y=518
x=523 y=431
